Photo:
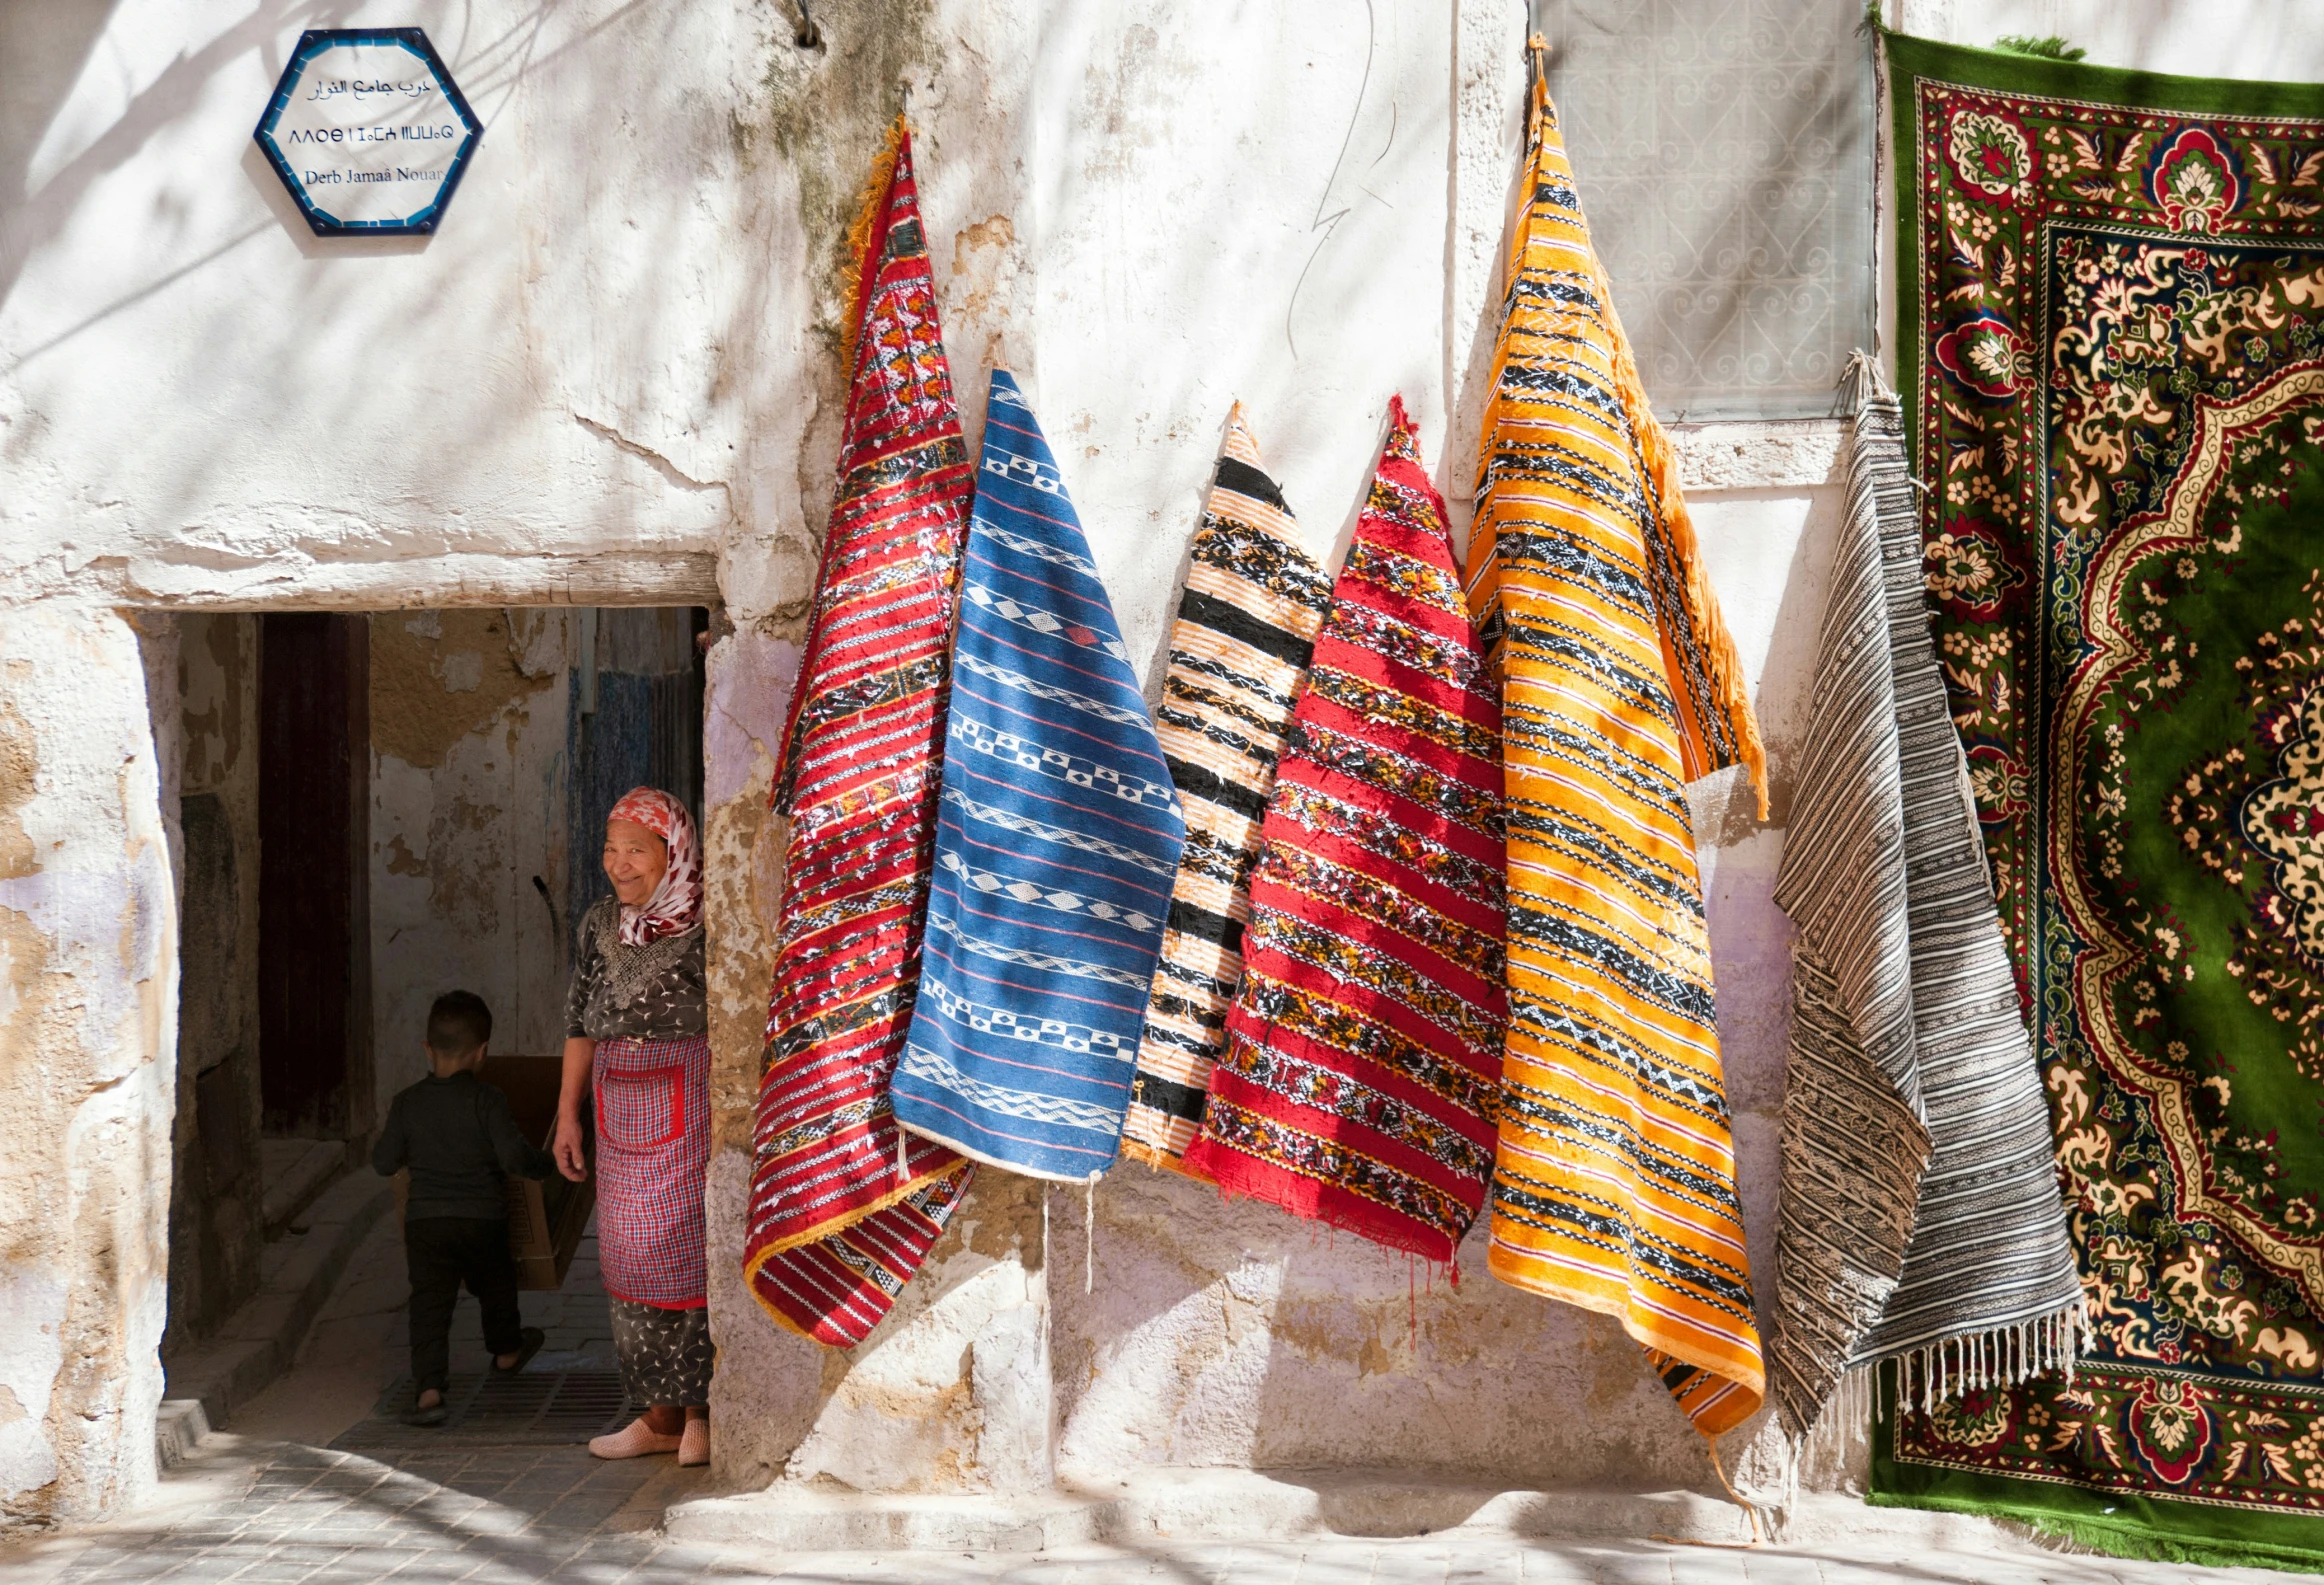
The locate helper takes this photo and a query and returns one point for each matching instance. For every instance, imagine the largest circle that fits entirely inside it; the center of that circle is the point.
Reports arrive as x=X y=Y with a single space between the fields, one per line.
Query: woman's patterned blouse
x=653 y=992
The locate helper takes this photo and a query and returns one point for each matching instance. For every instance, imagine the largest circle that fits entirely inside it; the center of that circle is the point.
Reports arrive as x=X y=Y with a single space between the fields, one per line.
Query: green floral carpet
x=2111 y=325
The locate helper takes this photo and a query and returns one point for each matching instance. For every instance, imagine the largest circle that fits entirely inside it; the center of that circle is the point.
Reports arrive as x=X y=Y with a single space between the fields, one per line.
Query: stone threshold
x=1183 y=1505
x=294 y=1173
x=257 y=1343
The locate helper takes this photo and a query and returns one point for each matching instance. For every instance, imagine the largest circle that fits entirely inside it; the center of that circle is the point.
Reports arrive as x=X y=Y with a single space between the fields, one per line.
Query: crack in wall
x=655 y=460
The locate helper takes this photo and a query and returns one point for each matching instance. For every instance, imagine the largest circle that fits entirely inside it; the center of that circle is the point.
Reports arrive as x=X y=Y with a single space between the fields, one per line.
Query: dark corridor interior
x=374 y=808
x=314 y=919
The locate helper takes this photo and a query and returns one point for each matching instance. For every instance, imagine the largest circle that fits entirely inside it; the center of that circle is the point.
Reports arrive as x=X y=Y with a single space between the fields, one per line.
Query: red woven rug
x=1364 y=1048
x=837 y=1223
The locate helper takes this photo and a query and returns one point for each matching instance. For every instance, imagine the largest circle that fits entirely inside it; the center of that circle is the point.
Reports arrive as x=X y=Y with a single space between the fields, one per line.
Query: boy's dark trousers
x=440 y=1253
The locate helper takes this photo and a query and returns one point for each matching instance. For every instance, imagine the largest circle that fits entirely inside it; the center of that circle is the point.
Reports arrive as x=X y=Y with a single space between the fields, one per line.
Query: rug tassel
x=2008 y=1355
x=1750 y=1512
x=870 y=206
x=1847 y=1412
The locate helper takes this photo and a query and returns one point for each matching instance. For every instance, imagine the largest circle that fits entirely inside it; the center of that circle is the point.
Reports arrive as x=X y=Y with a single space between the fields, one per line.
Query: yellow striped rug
x=1614 y=1187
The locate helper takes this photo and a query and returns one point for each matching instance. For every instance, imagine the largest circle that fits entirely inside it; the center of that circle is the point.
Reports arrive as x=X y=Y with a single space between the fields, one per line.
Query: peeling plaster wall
x=88 y=1034
x=467 y=806
x=612 y=379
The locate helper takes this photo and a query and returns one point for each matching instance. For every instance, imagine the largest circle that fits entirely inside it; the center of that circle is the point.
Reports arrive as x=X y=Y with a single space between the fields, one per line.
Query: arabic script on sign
x=368 y=136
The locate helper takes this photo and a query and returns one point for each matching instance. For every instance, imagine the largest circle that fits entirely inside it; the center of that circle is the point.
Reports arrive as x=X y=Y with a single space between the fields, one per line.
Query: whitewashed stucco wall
x=611 y=379
x=88 y=1047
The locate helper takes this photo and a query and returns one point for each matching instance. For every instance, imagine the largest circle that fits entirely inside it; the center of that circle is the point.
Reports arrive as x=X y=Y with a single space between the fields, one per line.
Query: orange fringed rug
x=1614 y=1187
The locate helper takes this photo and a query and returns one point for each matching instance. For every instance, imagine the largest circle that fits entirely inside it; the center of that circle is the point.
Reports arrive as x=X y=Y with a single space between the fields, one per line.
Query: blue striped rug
x=1056 y=843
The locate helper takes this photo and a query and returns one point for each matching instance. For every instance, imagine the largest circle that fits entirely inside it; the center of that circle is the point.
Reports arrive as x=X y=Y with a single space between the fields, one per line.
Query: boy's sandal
x=529 y=1343
x=429 y=1414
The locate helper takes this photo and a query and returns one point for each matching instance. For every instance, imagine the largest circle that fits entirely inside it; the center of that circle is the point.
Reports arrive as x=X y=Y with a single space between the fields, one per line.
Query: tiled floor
x=311 y=1488
x=359 y=1345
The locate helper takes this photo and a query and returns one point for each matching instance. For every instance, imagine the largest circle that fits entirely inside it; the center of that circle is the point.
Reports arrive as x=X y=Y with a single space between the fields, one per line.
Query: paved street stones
x=253 y=1513
x=381 y=1503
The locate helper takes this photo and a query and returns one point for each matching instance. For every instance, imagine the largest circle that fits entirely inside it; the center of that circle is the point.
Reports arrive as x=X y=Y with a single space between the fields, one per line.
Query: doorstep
x=1248 y=1505
x=800 y=1517
x=292 y=1172
x=258 y=1342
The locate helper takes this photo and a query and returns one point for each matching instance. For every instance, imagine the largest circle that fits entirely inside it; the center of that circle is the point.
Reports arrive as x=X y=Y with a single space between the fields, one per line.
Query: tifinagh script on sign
x=368 y=140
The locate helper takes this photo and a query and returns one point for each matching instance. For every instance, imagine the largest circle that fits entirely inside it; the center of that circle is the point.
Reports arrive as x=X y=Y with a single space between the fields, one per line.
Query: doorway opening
x=314 y=904
x=375 y=808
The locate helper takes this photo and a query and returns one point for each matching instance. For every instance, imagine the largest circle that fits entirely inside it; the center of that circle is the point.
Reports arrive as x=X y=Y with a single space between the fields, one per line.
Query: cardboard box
x=546 y=1217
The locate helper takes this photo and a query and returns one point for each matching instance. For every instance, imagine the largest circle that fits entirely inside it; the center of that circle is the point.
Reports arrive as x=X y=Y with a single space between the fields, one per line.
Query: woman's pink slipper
x=694 y=1443
x=635 y=1440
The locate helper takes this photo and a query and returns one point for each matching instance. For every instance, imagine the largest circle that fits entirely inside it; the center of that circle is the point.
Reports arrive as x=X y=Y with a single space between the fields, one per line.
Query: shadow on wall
x=1226 y=1333
x=1339 y=201
x=102 y=116
x=48 y=48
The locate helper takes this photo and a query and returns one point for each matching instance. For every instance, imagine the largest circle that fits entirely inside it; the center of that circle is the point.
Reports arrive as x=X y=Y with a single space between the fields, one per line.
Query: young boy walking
x=458 y=1137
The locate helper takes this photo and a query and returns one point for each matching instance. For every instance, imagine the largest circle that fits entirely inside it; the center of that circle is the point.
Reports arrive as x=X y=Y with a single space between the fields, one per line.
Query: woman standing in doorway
x=637 y=1027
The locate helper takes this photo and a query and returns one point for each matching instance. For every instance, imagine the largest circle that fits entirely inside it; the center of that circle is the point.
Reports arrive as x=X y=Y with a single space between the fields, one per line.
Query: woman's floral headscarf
x=676 y=904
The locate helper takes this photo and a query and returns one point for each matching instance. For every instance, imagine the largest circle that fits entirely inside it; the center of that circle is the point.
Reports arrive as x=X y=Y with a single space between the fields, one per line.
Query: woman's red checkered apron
x=653 y=1150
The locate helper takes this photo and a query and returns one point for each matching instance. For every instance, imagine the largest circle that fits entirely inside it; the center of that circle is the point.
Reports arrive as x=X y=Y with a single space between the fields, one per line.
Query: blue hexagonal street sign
x=368 y=131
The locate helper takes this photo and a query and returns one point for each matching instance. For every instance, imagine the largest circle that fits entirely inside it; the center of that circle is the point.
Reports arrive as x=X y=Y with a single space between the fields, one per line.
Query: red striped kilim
x=1363 y=1051
x=836 y=1229
x=835 y=1289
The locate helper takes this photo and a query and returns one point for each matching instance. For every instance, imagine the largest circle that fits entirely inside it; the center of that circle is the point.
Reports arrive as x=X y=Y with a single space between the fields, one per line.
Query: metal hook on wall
x=808 y=36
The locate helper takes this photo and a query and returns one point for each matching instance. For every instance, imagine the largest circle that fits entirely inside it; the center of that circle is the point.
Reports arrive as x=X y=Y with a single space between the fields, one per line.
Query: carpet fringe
x=1941 y=1371
x=870 y=205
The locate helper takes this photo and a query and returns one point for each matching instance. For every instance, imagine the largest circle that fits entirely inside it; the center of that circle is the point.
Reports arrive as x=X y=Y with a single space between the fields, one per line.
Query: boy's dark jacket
x=460 y=1140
